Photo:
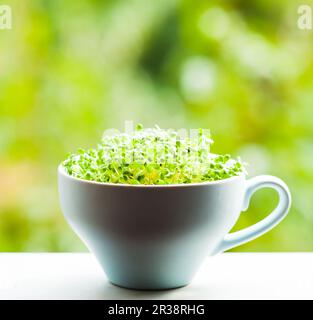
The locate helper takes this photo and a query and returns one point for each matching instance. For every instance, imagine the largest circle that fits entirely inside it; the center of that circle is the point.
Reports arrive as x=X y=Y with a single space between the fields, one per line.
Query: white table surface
x=227 y=276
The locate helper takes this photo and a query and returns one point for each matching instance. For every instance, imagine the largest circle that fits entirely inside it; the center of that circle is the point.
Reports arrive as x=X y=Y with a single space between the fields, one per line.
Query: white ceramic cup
x=157 y=236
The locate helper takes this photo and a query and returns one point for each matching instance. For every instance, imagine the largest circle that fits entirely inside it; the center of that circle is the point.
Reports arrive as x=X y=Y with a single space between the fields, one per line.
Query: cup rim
x=62 y=172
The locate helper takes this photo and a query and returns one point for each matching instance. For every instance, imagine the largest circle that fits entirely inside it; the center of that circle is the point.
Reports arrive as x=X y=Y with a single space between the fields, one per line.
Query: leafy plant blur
x=71 y=69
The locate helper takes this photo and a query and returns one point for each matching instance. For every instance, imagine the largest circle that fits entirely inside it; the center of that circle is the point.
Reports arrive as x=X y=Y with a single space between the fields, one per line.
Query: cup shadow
x=111 y=291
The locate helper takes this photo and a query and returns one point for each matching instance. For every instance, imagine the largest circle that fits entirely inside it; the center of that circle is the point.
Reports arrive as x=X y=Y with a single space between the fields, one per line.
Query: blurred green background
x=71 y=69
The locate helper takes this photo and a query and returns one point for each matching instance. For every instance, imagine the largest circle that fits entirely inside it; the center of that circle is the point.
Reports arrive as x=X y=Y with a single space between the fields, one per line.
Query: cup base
x=149 y=288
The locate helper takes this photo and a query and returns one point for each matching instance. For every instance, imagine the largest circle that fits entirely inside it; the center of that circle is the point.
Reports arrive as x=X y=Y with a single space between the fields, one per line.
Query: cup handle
x=235 y=239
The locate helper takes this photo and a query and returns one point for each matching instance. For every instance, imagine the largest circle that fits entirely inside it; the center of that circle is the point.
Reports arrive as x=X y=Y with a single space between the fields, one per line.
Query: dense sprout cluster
x=152 y=157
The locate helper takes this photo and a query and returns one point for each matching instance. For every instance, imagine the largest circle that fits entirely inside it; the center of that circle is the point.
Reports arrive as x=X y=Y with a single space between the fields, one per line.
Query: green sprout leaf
x=152 y=156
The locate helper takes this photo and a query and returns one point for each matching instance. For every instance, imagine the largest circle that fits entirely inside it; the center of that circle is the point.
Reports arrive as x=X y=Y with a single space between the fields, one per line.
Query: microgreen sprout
x=152 y=156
